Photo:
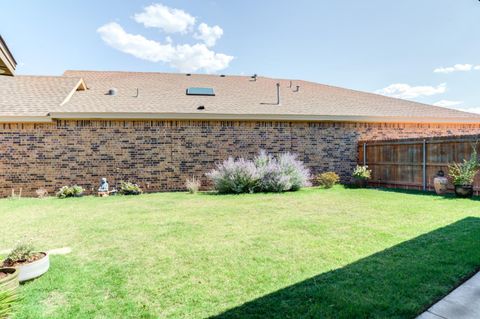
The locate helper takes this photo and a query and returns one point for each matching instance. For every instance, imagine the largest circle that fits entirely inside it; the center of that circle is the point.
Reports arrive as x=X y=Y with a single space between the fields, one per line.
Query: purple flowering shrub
x=264 y=174
x=298 y=174
x=235 y=176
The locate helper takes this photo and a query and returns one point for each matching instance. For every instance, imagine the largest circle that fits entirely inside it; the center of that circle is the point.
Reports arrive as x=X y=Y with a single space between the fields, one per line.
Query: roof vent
x=201 y=107
x=112 y=92
x=188 y=74
x=222 y=75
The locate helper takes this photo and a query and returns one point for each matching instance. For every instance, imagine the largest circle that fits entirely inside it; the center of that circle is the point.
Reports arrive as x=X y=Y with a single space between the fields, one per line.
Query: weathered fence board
x=414 y=163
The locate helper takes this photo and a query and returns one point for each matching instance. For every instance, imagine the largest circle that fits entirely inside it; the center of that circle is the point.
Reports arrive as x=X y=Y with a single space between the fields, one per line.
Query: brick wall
x=160 y=155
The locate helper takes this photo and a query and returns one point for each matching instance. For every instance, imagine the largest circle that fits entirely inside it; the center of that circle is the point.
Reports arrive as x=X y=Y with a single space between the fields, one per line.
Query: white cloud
x=208 y=34
x=136 y=45
x=185 y=58
x=405 y=91
x=170 y=20
x=447 y=103
x=468 y=109
x=456 y=68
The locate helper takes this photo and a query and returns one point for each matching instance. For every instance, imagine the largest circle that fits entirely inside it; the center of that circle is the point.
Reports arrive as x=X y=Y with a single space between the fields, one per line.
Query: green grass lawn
x=339 y=253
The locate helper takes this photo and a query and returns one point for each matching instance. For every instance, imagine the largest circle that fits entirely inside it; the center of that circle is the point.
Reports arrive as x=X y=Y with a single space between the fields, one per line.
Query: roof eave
x=7 y=61
x=25 y=119
x=258 y=117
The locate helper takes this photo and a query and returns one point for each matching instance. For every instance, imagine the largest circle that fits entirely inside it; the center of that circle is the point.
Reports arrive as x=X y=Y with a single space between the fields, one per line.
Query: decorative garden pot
x=361 y=182
x=32 y=270
x=464 y=191
x=440 y=183
x=9 y=278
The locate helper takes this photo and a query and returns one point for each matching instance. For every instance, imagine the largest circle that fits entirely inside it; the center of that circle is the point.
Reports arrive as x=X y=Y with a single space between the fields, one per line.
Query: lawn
x=343 y=253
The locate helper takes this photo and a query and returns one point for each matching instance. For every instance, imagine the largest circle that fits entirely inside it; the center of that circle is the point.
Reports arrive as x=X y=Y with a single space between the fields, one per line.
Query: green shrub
x=8 y=298
x=362 y=172
x=21 y=252
x=127 y=188
x=328 y=179
x=70 y=191
x=264 y=174
x=464 y=173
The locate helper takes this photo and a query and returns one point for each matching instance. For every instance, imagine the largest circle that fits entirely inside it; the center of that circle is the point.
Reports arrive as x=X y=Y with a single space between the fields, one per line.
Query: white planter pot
x=35 y=269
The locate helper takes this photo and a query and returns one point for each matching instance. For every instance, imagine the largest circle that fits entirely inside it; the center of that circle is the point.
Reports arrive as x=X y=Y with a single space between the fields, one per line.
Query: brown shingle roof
x=241 y=97
x=34 y=95
x=162 y=96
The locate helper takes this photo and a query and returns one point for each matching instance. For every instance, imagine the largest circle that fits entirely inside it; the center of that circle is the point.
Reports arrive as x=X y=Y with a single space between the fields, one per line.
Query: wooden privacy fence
x=414 y=163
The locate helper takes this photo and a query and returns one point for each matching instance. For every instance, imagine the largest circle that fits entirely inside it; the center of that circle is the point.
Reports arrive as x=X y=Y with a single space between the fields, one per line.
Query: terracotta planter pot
x=11 y=281
x=34 y=269
x=440 y=184
x=464 y=191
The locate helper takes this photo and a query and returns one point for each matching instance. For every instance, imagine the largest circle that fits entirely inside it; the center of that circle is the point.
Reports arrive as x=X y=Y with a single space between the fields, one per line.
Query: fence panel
x=414 y=163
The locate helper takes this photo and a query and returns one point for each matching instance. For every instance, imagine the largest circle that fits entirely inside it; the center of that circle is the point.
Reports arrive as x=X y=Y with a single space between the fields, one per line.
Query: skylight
x=201 y=91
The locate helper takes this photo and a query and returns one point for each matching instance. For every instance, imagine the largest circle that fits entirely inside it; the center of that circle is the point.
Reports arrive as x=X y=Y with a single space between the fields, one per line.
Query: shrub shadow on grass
x=424 y=193
x=399 y=282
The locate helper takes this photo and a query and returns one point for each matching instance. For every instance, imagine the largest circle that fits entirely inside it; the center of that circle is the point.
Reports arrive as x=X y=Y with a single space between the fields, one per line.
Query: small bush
x=127 y=188
x=264 y=174
x=21 y=252
x=193 y=185
x=328 y=179
x=70 y=191
x=235 y=176
x=362 y=172
x=297 y=173
x=272 y=177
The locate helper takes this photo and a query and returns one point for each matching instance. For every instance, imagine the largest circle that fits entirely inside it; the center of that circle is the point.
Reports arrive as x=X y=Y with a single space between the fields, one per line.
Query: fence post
x=364 y=154
x=424 y=165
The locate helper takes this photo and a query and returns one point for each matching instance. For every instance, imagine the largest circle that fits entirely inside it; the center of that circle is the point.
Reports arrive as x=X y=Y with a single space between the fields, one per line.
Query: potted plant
x=9 y=278
x=463 y=175
x=362 y=174
x=30 y=264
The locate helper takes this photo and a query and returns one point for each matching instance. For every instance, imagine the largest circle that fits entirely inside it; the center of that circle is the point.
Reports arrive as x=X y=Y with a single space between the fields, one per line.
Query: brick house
x=157 y=129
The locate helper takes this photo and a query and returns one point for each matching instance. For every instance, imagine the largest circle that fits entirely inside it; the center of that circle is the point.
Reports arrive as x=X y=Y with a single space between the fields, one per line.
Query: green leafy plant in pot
x=29 y=262
x=463 y=175
x=362 y=174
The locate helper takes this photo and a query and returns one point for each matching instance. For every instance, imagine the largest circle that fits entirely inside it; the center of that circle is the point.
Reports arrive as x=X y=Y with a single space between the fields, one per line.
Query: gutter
x=232 y=117
x=25 y=119
x=255 y=117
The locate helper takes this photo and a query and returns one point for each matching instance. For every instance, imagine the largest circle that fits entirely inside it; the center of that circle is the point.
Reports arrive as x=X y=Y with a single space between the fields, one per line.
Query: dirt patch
x=34 y=257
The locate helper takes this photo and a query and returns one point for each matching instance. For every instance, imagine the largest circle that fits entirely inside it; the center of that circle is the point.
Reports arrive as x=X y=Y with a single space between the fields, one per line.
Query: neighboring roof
x=33 y=97
x=7 y=61
x=162 y=95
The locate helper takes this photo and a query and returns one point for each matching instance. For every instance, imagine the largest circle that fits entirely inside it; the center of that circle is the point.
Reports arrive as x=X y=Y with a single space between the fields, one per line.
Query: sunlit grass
x=177 y=255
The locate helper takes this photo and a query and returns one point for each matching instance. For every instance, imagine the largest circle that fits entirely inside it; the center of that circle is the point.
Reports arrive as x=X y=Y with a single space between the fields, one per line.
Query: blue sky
x=427 y=51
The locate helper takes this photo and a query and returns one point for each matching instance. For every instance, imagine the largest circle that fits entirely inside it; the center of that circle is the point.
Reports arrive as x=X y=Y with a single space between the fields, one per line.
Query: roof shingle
x=237 y=96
